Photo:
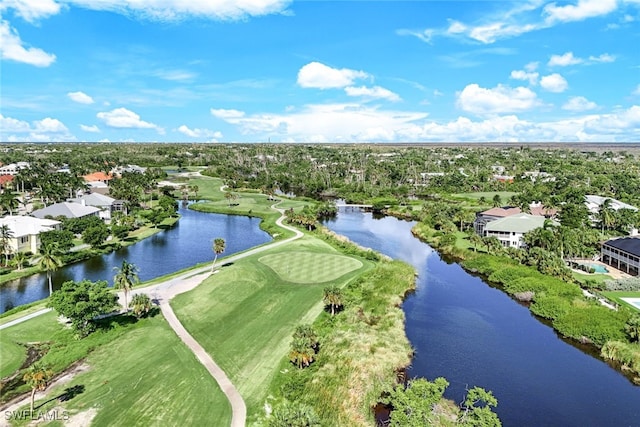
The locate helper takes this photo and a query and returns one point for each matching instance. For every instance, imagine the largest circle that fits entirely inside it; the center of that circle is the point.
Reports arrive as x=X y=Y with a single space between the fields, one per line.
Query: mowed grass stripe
x=310 y=267
x=245 y=314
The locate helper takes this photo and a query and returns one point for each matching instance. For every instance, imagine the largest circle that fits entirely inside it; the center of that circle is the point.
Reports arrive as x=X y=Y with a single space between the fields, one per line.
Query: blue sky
x=316 y=71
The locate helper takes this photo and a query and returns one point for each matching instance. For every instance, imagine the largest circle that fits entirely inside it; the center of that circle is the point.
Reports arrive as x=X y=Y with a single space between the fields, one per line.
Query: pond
x=476 y=335
x=188 y=243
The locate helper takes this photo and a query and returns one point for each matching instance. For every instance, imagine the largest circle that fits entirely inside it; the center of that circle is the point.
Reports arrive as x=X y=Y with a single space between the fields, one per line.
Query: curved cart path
x=163 y=292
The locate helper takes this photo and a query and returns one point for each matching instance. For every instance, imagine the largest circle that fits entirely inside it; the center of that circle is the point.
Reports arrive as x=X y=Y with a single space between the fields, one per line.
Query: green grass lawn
x=244 y=315
x=146 y=376
x=488 y=195
x=617 y=295
x=310 y=267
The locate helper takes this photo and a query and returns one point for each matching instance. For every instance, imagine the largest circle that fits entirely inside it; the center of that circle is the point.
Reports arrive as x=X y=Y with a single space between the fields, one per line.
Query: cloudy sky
x=315 y=71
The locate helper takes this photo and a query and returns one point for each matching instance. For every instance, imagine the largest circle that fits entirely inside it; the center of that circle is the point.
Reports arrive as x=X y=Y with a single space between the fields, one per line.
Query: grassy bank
x=138 y=373
x=244 y=315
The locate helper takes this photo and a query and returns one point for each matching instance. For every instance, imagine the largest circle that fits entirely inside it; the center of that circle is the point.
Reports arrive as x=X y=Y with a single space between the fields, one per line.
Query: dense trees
x=82 y=302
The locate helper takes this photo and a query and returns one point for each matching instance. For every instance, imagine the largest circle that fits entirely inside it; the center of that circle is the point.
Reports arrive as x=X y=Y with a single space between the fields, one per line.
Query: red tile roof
x=4 y=179
x=503 y=212
x=98 y=176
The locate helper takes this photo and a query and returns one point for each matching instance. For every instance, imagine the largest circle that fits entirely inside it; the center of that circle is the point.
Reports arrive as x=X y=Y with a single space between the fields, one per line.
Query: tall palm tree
x=6 y=234
x=18 y=260
x=9 y=201
x=606 y=214
x=37 y=376
x=301 y=353
x=497 y=201
x=218 y=247
x=125 y=278
x=50 y=261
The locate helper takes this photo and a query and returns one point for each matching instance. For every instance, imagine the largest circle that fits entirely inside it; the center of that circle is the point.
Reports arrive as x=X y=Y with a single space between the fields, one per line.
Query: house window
x=24 y=239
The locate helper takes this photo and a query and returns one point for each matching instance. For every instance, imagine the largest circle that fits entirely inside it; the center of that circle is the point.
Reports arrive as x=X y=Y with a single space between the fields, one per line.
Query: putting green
x=310 y=267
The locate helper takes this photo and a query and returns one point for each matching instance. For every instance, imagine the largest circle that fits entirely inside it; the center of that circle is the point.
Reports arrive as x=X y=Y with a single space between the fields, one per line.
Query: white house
x=26 y=230
x=593 y=203
x=66 y=209
x=106 y=204
x=510 y=230
x=13 y=168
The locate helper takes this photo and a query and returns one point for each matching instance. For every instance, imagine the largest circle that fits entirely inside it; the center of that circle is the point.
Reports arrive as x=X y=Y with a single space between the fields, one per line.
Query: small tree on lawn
x=95 y=235
x=219 y=245
x=82 y=302
x=140 y=305
x=37 y=377
x=333 y=298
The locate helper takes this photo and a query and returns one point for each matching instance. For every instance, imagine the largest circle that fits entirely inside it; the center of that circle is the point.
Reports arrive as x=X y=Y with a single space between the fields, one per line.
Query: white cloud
x=501 y=99
x=12 y=49
x=499 y=30
x=375 y=92
x=579 y=103
x=317 y=75
x=80 y=97
x=554 y=83
x=564 y=60
x=92 y=129
x=173 y=10
x=532 y=78
x=175 y=75
x=31 y=10
x=199 y=133
x=531 y=66
x=49 y=125
x=582 y=10
x=123 y=118
x=456 y=27
x=605 y=57
x=45 y=130
x=636 y=91
x=226 y=114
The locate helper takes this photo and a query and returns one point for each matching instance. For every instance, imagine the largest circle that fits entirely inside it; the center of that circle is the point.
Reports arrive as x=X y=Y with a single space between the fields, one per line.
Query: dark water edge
x=187 y=243
x=474 y=334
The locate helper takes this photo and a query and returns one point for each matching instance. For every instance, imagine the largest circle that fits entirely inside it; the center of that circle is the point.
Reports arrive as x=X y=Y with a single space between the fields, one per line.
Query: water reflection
x=184 y=245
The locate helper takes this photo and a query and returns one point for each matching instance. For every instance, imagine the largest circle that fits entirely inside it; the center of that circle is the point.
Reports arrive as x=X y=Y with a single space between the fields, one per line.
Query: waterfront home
x=106 y=204
x=67 y=210
x=622 y=254
x=25 y=232
x=483 y=218
x=511 y=229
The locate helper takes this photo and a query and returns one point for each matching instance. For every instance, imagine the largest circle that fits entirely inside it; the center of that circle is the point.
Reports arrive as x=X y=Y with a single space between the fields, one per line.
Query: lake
x=188 y=243
x=476 y=335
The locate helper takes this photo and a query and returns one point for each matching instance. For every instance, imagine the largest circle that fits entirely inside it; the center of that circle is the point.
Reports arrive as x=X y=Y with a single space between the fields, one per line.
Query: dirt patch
x=61 y=379
x=35 y=352
x=82 y=419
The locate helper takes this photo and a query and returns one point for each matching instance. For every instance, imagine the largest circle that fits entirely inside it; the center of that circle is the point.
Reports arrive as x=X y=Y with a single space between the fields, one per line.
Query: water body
x=189 y=242
x=476 y=335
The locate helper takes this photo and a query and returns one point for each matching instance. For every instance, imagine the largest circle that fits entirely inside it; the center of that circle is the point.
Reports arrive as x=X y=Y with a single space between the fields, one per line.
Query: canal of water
x=476 y=335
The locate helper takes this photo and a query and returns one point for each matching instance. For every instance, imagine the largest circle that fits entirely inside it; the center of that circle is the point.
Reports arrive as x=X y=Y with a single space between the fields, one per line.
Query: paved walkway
x=163 y=292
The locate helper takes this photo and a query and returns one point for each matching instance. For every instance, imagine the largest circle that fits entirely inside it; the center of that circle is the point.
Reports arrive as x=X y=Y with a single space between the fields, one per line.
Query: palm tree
x=497 y=201
x=50 y=260
x=301 y=353
x=228 y=195
x=195 y=189
x=6 y=234
x=9 y=201
x=18 y=260
x=606 y=214
x=125 y=278
x=140 y=305
x=37 y=376
x=218 y=247
x=333 y=298
x=475 y=240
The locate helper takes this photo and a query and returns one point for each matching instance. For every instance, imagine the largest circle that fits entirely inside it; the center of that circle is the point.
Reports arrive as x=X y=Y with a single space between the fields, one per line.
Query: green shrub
x=596 y=323
x=509 y=274
x=550 y=307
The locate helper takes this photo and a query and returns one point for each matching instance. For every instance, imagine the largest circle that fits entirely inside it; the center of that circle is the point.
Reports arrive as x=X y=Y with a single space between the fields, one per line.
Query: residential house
x=106 y=204
x=623 y=254
x=98 y=176
x=67 y=210
x=483 y=218
x=26 y=231
x=5 y=181
x=13 y=168
x=593 y=203
x=98 y=187
x=510 y=230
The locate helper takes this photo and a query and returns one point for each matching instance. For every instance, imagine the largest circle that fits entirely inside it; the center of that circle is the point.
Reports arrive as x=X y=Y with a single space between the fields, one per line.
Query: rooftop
x=66 y=209
x=26 y=225
x=502 y=211
x=627 y=244
x=520 y=223
x=94 y=199
x=98 y=176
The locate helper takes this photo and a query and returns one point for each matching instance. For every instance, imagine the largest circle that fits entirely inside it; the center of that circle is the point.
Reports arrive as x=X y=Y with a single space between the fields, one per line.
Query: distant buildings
x=13 y=168
x=594 y=203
